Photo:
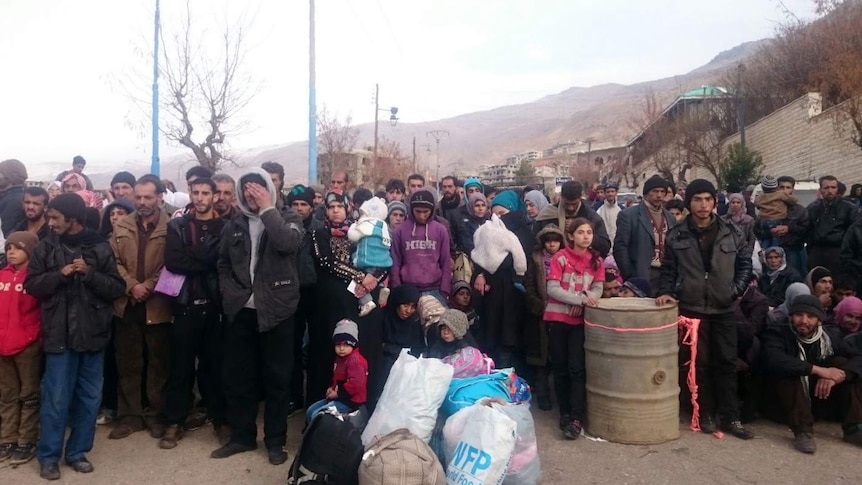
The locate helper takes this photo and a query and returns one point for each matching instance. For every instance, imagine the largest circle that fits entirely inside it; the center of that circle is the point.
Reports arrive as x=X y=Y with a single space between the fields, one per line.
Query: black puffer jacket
x=76 y=310
x=830 y=221
x=684 y=276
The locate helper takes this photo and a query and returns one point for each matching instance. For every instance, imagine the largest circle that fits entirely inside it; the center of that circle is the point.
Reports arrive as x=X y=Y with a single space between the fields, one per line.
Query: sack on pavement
x=479 y=441
x=524 y=467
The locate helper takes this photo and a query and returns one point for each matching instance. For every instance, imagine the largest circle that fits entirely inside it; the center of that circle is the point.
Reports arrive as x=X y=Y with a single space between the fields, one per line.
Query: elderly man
x=831 y=218
x=609 y=209
x=815 y=373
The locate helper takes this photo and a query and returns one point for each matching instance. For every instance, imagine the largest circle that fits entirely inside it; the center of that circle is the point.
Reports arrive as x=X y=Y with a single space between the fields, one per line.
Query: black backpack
x=331 y=450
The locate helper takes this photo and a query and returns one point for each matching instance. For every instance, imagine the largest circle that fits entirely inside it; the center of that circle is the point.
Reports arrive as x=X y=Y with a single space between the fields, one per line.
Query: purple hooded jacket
x=420 y=252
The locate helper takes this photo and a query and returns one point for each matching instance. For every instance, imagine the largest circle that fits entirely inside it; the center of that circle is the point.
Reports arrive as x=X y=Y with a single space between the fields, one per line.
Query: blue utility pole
x=312 y=101
x=154 y=164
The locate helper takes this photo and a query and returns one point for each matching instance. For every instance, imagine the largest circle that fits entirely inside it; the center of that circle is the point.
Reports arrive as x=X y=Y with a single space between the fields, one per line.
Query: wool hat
x=422 y=198
x=396 y=205
x=302 y=193
x=430 y=310
x=374 y=207
x=123 y=178
x=817 y=274
x=25 y=240
x=739 y=197
x=474 y=182
x=460 y=285
x=641 y=287
x=457 y=322
x=654 y=182
x=14 y=171
x=698 y=186
x=346 y=331
x=809 y=304
x=70 y=205
x=769 y=183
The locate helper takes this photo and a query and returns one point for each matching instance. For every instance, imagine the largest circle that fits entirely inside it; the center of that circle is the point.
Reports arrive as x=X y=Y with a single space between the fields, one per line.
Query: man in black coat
x=570 y=207
x=815 y=373
x=74 y=276
x=641 y=234
x=706 y=268
x=792 y=231
x=831 y=216
x=260 y=293
x=13 y=174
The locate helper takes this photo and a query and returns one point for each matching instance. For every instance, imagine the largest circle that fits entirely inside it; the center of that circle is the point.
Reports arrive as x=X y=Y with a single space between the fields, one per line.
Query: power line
x=389 y=27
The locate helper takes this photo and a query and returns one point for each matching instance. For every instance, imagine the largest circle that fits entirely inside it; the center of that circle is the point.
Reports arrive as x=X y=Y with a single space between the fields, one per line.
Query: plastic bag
x=411 y=397
x=524 y=467
x=463 y=393
x=478 y=442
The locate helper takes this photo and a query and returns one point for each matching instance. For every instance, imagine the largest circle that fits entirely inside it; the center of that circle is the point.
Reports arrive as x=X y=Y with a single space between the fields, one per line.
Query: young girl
x=575 y=280
x=452 y=348
x=349 y=373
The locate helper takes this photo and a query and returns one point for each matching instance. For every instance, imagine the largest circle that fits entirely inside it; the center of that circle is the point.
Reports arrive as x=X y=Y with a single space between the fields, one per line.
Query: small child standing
x=20 y=354
x=371 y=236
x=349 y=373
x=772 y=208
x=452 y=348
x=575 y=280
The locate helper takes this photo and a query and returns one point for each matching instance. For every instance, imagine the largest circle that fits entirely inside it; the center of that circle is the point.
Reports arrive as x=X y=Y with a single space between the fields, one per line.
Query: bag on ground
x=331 y=449
x=411 y=398
x=400 y=458
x=524 y=467
x=465 y=392
x=479 y=441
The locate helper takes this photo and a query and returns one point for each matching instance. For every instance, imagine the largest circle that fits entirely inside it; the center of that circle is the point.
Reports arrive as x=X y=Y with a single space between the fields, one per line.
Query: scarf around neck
x=825 y=347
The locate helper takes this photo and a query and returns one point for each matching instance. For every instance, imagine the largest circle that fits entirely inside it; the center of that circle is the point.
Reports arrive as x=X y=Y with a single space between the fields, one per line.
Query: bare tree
x=335 y=138
x=391 y=162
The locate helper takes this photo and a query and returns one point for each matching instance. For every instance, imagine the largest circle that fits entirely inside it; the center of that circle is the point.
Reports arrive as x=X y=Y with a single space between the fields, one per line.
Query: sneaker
x=707 y=424
x=23 y=454
x=366 y=308
x=106 y=416
x=383 y=299
x=736 y=429
x=6 y=450
x=804 y=442
x=573 y=430
x=853 y=435
x=277 y=456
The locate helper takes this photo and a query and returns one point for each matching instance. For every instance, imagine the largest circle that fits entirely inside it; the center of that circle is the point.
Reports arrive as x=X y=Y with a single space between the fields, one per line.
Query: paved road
x=694 y=457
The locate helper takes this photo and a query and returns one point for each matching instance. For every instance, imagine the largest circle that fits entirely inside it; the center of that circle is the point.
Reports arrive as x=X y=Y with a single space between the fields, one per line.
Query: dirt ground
x=767 y=459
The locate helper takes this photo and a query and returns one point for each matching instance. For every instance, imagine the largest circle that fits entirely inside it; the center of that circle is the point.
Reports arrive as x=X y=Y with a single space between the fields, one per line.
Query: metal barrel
x=632 y=364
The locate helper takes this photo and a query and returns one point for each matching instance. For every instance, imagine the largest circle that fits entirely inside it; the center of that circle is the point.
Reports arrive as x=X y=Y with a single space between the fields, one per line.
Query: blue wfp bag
x=466 y=392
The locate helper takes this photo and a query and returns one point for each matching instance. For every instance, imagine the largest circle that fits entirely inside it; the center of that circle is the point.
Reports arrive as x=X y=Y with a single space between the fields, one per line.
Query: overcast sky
x=69 y=65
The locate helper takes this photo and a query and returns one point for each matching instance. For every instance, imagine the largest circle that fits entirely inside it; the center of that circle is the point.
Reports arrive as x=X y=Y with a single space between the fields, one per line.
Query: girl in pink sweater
x=574 y=280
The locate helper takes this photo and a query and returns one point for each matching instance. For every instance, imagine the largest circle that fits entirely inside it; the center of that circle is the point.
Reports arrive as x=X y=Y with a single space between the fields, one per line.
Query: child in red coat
x=349 y=374
x=20 y=354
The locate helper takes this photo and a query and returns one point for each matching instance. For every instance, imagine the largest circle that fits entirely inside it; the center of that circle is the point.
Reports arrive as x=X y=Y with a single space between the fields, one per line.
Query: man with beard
x=831 y=217
x=451 y=207
x=74 y=276
x=570 y=207
x=143 y=334
x=276 y=173
x=191 y=250
x=639 y=244
x=225 y=196
x=301 y=199
x=609 y=209
x=260 y=294
x=815 y=373
x=13 y=174
x=123 y=186
x=35 y=204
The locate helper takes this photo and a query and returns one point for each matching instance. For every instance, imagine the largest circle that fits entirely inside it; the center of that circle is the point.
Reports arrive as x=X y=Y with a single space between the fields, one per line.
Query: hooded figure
x=780 y=315
x=774 y=282
x=13 y=174
x=420 y=250
x=538 y=200
x=91 y=199
x=370 y=233
x=850 y=306
x=470 y=221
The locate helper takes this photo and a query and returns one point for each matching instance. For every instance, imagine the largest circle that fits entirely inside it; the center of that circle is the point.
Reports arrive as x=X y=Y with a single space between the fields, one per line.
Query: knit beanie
x=460 y=285
x=641 y=287
x=654 y=182
x=809 y=304
x=123 y=178
x=430 y=310
x=301 y=192
x=396 y=205
x=698 y=186
x=70 y=205
x=346 y=331
x=422 y=198
x=474 y=182
x=769 y=183
x=14 y=171
x=817 y=274
x=457 y=322
x=25 y=240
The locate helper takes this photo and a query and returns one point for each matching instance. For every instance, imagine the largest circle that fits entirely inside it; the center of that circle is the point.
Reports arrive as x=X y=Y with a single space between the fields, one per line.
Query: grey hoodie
x=255 y=225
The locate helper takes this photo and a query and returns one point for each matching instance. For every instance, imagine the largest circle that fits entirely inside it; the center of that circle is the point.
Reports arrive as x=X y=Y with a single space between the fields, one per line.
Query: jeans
x=72 y=384
x=797 y=259
x=568 y=358
x=196 y=334
x=257 y=361
x=319 y=406
x=765 y=227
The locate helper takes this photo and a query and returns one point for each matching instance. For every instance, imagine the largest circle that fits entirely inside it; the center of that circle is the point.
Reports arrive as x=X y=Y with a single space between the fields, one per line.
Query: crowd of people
x=122 y=309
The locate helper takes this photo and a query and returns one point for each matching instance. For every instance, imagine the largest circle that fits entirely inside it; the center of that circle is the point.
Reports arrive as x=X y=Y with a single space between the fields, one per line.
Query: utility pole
x=414 y=154
x=154 y=163
x=740 y=105
x=437 y=134
x=312 y=100
x=392 y=119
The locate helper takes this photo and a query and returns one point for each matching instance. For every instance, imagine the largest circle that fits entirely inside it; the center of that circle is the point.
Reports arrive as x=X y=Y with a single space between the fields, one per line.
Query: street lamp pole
x=392 y=119
x=155 y=163
x=438 y=134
